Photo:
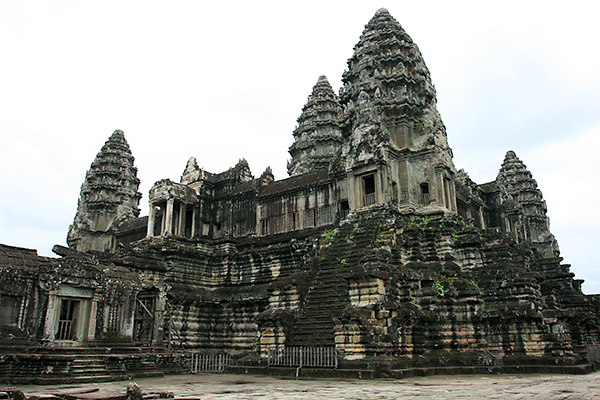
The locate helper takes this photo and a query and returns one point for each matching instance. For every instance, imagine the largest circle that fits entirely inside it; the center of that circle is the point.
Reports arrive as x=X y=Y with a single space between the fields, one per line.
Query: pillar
x=151 y=216
x=181 y=224
x=194 y=211
x=169 y=218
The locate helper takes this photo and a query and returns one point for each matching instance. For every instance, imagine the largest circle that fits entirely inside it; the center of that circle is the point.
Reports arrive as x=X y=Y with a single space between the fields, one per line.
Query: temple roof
x=19 y=257
x=308 y=180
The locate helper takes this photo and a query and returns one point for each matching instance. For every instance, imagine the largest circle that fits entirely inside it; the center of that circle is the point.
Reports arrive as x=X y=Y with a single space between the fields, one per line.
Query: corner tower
x=109 y=196
x=522 y=207
x=318 y=138
x=396 y=146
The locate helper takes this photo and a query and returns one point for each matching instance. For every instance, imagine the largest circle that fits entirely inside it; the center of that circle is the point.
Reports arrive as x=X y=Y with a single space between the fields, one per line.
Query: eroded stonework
x=108 y=197
x=375 y=246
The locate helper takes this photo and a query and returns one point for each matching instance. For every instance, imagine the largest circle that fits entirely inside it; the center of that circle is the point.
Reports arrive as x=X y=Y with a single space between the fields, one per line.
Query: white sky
x=227 y=80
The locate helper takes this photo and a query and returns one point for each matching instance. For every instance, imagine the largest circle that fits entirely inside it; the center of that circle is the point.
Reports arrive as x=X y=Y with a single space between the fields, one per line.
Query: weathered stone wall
x=218 y=291
x=434 y=290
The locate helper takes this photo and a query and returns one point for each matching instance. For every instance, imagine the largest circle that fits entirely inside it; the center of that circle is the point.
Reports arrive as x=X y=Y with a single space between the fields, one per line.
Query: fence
x=593 y=352
x=303 y=357
x=210 y=363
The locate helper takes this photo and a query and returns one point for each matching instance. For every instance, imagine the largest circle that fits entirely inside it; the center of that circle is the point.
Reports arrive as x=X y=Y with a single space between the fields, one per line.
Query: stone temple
x=376 y=248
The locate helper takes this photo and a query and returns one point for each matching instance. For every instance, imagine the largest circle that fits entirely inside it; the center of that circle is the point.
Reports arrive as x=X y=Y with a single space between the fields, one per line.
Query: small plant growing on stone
x=343 y=261
x=439 y=287
x=328 y=236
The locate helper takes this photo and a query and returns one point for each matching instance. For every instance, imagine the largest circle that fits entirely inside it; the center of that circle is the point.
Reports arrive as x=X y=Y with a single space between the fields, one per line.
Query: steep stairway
x=328 y=294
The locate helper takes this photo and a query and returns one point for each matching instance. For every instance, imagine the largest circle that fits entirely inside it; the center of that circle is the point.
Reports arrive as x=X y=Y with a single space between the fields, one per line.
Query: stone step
x=328 y=295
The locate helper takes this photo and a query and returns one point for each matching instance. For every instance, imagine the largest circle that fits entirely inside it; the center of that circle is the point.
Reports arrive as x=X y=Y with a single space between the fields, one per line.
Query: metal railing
x=303 y=357
x=210 y=363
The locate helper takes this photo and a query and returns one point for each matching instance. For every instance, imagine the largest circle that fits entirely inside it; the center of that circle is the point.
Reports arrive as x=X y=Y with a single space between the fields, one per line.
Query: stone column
x=151 y=216
x=453 y=195
x=194 y=211
x=169 y=218
x=159 y=317
x=480 y=216
x=181 y=223
x=91 y=334
x=51 y=312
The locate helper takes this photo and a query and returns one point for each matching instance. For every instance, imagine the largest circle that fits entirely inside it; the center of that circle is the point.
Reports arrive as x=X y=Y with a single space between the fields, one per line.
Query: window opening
x=67 y=321
x=113 y=318
x=344 y=208
x=425 y=199
x=369 y=189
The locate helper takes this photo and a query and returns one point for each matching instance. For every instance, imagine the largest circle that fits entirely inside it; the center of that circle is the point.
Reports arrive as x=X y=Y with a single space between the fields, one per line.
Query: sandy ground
x=225 y=386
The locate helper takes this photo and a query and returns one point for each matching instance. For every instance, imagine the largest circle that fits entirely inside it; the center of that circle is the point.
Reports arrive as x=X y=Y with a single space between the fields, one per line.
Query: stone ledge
x=361 y=373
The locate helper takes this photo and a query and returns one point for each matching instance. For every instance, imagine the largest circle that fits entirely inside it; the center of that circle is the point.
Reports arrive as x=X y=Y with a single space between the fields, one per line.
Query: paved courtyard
x=212 y=386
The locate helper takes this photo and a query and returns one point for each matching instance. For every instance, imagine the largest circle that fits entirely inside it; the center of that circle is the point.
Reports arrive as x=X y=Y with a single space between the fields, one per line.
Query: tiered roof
x=317 y=137
x=109 y=194
x=387 y=84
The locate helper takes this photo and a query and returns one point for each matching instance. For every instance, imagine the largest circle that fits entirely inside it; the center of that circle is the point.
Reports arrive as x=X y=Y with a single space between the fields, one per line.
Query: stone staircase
x=89 y=368
x=328 y=294
x=42 y=365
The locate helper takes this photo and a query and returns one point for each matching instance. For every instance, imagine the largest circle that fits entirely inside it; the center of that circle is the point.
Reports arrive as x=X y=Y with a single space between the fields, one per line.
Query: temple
x=375 y=248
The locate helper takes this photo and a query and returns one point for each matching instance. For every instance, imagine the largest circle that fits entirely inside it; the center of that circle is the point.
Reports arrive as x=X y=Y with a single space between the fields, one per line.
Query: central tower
x=393 y=141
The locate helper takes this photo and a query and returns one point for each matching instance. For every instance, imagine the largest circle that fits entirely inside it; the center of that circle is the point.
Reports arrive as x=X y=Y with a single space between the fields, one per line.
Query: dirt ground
x=225 y=386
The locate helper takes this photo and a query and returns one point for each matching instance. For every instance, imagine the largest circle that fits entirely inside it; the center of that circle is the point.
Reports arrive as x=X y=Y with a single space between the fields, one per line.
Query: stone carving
x=108 y=197
x=317 y=137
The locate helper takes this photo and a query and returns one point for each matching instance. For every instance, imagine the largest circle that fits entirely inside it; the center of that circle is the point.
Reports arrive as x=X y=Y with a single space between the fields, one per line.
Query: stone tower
x=109 y=196
x=523 y=206
x=396 y=146
x=318 y=138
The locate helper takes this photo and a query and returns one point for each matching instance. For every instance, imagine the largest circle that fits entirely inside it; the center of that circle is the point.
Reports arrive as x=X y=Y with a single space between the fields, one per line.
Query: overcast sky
x=225 y=80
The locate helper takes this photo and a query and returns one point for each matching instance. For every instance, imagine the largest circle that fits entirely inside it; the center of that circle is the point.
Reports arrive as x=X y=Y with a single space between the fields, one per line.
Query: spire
x=524 y=204
x=192 y=172
x=388 y=93
x=109 y=196
x=317 y=137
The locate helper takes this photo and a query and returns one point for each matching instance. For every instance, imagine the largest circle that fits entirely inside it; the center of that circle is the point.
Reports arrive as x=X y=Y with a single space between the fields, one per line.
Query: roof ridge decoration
x=192 y=172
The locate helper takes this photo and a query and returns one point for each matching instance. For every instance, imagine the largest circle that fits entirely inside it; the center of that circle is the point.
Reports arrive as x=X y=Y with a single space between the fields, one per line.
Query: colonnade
x=174 y=218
